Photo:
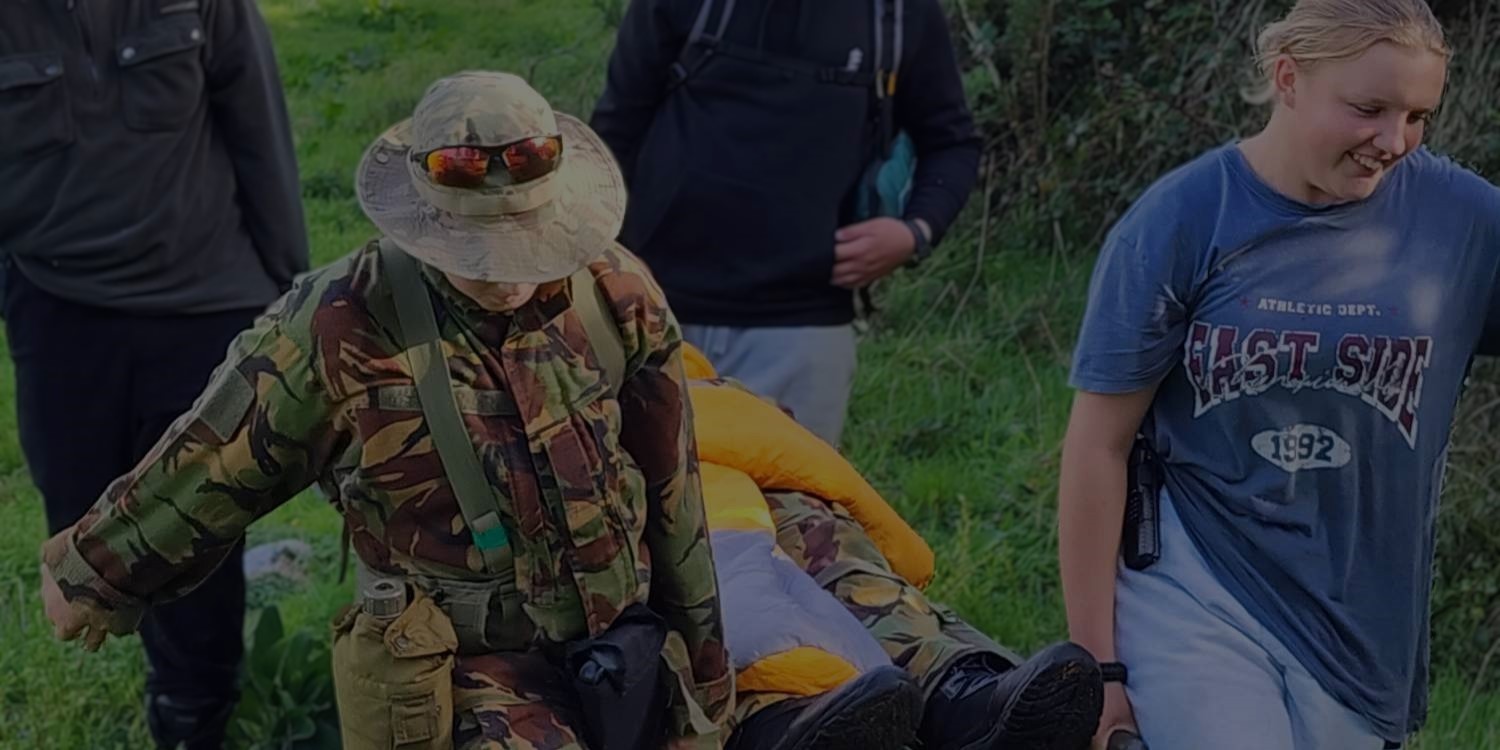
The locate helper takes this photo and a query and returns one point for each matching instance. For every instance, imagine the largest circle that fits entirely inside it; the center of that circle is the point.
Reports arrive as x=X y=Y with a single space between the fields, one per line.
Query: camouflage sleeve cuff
x=697 y=712
x=703 y=714
x=83 y=587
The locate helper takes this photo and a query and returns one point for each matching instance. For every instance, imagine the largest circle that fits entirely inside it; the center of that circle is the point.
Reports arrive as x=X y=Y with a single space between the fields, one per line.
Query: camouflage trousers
x=514 y=700
x=919 y=635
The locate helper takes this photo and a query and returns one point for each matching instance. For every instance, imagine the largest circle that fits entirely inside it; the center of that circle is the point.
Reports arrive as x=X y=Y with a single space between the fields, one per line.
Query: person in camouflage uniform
x=592 y=488
x=977 y=695
x=598 y=492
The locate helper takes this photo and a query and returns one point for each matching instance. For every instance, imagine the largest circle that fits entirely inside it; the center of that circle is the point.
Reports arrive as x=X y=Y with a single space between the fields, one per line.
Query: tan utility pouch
x=486 y=616
x=394 y=679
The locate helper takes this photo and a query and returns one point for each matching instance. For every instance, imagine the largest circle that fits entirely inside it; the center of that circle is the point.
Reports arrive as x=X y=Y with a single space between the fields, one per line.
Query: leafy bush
x=288 y=700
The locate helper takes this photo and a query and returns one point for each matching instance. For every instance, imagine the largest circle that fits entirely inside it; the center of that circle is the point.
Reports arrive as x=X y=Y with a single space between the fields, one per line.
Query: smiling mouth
x=1368 y=162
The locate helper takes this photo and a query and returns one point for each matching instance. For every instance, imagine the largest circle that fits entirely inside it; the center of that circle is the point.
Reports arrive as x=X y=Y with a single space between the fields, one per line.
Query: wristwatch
x=923 y=248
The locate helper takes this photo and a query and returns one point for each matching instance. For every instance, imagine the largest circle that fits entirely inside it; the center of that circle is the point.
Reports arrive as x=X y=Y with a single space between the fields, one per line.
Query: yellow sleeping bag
x=739 y=430
x=785 y=633
x=735 y=507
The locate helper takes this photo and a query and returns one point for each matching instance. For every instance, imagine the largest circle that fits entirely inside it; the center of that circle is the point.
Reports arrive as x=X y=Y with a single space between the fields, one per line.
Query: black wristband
x=923 y=247
x=1113 y=671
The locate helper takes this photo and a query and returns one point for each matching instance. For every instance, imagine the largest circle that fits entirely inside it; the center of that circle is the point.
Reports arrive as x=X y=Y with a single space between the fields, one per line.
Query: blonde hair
x=1317 y=31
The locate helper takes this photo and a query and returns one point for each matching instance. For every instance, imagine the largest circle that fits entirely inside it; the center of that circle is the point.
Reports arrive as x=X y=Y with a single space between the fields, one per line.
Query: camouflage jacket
x=598 y=487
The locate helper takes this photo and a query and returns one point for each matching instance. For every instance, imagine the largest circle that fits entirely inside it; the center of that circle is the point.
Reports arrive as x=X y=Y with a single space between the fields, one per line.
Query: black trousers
x=95 y=389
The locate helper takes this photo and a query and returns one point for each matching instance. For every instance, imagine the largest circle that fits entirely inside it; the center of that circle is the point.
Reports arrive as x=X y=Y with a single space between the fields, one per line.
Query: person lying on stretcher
x=833 y=642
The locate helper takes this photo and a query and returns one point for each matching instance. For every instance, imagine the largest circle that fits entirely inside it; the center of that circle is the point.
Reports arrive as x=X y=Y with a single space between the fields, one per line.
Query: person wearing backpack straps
x=492 y=395
x=745 y=129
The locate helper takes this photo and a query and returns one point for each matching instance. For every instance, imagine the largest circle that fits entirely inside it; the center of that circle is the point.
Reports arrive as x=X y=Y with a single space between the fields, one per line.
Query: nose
x=1392 y=137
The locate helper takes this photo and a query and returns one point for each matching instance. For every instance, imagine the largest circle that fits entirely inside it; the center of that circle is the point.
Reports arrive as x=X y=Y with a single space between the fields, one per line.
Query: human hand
x=70 y=620
x=870 y=250
x=1116 y=715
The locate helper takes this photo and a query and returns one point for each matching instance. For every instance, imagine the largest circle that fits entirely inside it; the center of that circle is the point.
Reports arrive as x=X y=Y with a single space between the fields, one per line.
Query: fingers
x=95 y=638
x=67 y=630
x=856 y=231
x=854 y=248
x=1106 y=731
x=1117 y=715
x=69 y=621
x=65 y=626
x=1105 y=740
x=851 y=275
x=852 y=266
x=1101 y=739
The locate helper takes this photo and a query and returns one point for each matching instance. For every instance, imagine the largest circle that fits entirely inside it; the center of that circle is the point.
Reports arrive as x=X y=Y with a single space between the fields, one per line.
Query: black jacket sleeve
x=650 y=40
x=931 y=107
x=249 y=111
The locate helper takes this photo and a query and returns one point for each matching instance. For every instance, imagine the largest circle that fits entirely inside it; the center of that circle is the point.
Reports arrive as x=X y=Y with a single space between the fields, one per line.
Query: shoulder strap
x=702 y=21
x=689 y=58
x=899 y=32
x=878 y=24
x=887 y=75
x=699 y=24
x=419 y=335
x=599 y=324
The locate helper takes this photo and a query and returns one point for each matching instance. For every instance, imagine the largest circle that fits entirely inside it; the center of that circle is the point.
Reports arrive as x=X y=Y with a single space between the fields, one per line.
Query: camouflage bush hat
x=486 y=182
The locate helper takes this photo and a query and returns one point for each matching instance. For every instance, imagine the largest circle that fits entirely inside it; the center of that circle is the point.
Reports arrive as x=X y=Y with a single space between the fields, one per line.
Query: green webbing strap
x=599 y=324
x=419 y=334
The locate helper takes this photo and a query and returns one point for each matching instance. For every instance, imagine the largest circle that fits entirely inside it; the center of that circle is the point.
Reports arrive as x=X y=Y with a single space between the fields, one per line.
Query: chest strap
x=418 y=331
x=599 y=323
x=424 y=350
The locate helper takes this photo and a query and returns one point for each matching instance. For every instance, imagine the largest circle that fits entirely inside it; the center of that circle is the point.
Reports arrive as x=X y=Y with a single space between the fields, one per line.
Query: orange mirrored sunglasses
x=470 y=166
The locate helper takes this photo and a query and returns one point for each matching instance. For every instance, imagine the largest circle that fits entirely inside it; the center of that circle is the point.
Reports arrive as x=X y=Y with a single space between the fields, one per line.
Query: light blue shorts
x=807 y=370
x=1204 y=674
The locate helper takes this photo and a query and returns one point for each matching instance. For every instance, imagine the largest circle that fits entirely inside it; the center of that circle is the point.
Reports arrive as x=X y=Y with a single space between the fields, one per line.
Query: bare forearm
x=1091 y=504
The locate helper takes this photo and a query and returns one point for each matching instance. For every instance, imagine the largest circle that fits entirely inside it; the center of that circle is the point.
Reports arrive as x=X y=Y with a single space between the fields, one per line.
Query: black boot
x=879 y=710
x=1051 y=701
x=178 y=723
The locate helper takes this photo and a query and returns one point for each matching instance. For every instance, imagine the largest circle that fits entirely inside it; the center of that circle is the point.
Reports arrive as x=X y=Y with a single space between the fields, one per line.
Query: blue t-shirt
x=1309 y=359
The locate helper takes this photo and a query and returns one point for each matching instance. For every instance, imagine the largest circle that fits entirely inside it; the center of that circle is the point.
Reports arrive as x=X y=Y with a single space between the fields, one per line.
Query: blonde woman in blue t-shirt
x=1287 y=320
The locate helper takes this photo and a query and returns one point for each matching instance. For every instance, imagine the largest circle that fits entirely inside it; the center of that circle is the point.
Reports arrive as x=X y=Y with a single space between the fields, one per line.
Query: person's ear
x=1286 y=77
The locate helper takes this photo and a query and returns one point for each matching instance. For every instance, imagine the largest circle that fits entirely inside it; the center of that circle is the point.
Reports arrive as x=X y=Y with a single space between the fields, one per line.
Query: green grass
x=958 y=412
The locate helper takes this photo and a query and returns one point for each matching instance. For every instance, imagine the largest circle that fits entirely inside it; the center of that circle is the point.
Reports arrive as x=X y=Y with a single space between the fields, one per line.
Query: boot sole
x=883 y=717
x=1058 y=710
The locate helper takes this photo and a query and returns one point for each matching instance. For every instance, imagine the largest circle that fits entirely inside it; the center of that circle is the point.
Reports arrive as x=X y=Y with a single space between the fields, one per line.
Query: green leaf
x=298 y=648
x=303 y=728
x=268 y=629
x=326 y=738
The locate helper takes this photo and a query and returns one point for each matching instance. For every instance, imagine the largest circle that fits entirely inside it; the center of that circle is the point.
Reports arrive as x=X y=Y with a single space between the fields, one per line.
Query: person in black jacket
x=152 y=210
x=743 y=128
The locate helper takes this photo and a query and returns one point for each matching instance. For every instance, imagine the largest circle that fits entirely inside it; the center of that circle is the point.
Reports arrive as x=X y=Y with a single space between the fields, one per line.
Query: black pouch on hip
x=617 y=677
